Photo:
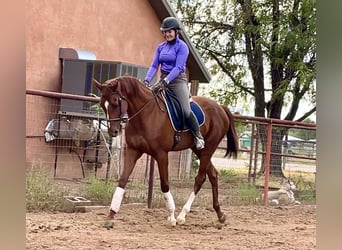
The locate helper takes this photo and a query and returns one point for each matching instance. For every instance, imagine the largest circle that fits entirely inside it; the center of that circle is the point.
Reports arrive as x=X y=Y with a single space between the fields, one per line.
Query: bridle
x=123 y=105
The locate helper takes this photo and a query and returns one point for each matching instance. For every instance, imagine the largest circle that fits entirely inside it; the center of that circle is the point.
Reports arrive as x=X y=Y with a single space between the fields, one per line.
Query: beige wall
x=114 y=30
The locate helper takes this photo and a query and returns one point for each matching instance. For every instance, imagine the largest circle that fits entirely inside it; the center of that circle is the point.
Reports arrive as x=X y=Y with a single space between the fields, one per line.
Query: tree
x=304 y=134
x=265 y=50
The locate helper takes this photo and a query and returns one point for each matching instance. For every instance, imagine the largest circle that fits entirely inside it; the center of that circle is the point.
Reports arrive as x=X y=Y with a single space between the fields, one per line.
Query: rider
x=171 y=55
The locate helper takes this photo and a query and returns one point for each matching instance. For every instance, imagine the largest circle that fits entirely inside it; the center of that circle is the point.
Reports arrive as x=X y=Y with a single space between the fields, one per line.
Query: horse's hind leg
x=213 y=178
x=199 y=180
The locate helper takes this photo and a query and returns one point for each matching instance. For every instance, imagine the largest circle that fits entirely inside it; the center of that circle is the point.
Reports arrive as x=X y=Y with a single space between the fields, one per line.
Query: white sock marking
x=170 y=205
x=117 y=199
x=186 y=208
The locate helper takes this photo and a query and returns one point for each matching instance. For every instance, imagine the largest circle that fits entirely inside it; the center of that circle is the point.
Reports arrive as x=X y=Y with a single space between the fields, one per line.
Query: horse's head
x=113 y=104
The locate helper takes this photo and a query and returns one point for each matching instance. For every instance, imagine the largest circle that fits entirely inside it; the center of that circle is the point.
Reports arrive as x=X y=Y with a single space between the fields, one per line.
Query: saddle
x=176 y=114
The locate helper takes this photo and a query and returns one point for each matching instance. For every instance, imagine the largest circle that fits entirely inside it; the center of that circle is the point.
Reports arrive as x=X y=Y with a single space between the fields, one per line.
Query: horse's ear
x=283 y=181
x=97 y=84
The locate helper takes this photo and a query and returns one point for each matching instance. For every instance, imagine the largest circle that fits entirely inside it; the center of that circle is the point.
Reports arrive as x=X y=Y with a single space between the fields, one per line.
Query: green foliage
x=194 y=163
x=248 y=193
x=96 y=107
x=97 y=190
x=42 y=193
x=303 y=134
x=259 y=50
x=228 y=175
x=306 y=190
x=241 y=127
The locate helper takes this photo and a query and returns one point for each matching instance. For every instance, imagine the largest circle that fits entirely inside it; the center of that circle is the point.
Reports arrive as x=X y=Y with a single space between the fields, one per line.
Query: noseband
x=123 y=118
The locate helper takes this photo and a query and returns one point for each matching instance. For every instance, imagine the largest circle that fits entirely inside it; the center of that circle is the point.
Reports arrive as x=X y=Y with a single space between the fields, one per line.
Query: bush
x=42 y=194
x=230 y=176
x=306 y=190
x=248 y=194
x=98 y=191
x=227 y=173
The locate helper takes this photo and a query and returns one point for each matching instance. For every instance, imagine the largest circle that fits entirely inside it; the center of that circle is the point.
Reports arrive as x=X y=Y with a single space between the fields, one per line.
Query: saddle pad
x=176 y=123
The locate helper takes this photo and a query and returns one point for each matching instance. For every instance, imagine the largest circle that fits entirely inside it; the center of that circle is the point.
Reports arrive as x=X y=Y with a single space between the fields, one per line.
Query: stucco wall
x=117 y=30
x=114 y=30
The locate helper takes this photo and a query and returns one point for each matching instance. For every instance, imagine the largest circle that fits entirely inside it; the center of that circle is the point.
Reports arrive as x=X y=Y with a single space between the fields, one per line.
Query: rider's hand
x=163 y=82
x=156 y=87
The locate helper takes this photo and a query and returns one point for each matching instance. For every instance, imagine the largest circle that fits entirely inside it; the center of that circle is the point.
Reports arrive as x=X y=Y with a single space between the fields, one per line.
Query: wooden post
x=194 y=87
x=267 y=161
x=150 y=183
x=251 y=155
x=109 y=155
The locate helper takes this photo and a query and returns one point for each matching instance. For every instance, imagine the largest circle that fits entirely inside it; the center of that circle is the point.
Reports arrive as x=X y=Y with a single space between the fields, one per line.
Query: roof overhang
x=70 y=53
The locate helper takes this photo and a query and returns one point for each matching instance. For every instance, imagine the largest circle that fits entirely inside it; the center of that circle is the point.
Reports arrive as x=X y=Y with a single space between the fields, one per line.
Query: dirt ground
x=137 y=227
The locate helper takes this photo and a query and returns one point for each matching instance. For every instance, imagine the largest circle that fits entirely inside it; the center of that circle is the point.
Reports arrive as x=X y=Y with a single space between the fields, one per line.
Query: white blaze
x=107 y=105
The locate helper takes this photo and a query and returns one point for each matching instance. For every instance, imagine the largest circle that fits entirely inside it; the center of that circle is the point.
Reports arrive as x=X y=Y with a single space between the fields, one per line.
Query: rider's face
x=169 y=35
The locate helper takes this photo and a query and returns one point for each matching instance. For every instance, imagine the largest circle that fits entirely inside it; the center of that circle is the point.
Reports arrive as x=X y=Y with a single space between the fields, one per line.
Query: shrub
x=306 y=190
x=230 y=176
x=248 y=194
x=227 y=173
x=42 y=194
x=98 y=191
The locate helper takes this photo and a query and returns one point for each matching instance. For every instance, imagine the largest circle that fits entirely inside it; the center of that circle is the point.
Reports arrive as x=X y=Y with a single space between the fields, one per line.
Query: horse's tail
x=232 y=138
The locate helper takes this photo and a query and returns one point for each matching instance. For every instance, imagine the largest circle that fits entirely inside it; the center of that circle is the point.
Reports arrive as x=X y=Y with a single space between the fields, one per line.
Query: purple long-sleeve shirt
x=172 y=59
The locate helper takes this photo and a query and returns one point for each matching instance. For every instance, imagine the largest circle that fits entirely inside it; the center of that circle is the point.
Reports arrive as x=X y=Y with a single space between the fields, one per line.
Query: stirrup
x=199 y=142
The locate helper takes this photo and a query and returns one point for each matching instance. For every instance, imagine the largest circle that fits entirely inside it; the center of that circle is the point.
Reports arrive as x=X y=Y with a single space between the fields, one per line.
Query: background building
x=60 y=33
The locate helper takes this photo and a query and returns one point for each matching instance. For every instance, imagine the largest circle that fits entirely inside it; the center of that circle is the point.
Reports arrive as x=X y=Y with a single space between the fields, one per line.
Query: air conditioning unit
x=77 y=78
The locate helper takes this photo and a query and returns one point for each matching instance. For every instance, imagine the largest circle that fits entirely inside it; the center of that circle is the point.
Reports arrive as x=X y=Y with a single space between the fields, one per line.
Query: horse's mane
x=131 y=85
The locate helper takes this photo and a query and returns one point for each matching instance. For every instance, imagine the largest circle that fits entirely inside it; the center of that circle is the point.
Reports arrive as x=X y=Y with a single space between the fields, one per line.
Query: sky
x=247 y=109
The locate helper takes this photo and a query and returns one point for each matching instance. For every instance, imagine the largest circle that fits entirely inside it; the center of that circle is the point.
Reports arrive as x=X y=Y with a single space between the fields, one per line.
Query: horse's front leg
x=162 y=159
x=170 y=205
x=130 y=158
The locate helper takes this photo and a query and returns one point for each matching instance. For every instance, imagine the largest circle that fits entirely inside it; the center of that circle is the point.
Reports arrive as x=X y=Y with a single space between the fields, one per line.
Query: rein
x=123 y=110
x=141 y=109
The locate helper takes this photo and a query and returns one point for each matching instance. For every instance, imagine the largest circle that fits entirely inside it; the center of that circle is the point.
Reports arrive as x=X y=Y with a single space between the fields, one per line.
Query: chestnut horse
x=126 y=100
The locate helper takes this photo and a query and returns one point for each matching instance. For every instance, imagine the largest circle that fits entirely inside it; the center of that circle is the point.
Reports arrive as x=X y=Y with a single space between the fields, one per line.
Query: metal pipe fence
x=270 y=149
x=76 y=145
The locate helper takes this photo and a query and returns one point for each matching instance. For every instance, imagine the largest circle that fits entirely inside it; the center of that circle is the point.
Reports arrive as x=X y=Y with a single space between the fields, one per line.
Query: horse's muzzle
x=113 y=132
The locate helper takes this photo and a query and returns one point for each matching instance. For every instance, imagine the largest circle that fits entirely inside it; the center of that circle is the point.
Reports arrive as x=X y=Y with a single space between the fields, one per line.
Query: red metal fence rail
x=269 y=152
x=63 y=155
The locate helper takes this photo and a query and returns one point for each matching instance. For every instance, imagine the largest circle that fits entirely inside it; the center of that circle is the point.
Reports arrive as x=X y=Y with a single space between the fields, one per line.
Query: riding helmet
x=170 y=23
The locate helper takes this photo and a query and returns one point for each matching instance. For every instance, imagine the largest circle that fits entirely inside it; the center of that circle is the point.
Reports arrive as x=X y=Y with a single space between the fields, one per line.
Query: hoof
x=172 y=221
x=222 y=219
x=109 y=224
x=180 y=221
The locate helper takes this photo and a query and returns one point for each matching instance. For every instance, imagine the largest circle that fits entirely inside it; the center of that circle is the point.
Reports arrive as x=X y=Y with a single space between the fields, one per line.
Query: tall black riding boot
x=194 y=127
